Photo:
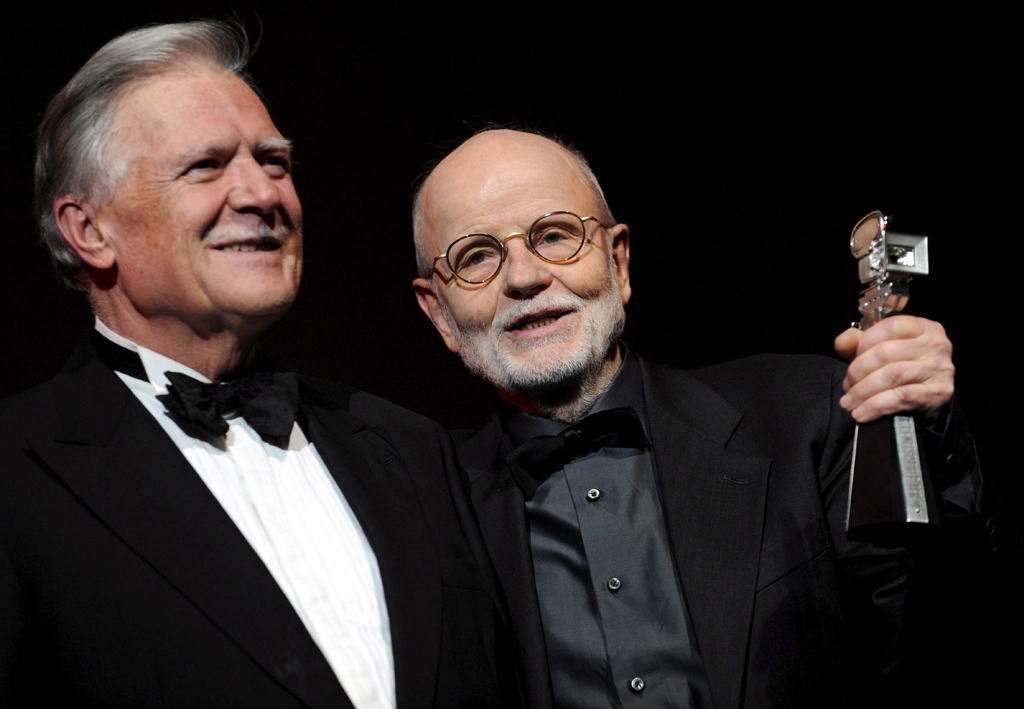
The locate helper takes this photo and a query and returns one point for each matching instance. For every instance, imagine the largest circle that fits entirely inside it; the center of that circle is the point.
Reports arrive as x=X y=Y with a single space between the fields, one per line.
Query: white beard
x=488 y=354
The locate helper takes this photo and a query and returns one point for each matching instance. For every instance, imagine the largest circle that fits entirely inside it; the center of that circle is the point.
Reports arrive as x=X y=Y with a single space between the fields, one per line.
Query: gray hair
x=73 y=140
x=425 y=261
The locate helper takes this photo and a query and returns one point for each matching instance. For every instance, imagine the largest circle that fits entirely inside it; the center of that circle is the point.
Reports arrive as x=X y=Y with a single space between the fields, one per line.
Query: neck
x=215 y=355
x=569 y=401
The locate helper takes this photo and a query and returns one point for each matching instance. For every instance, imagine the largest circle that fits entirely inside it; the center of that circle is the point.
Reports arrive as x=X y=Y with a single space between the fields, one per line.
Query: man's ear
x=76 y=219
x=429 y=304
x=618 y=235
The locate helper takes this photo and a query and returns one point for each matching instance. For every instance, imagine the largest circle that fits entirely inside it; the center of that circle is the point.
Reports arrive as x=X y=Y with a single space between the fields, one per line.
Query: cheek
x=146 y=228
x=143 y=247
x=292 y=206
x=297 y=264
x=480 y=308
x=588 y=280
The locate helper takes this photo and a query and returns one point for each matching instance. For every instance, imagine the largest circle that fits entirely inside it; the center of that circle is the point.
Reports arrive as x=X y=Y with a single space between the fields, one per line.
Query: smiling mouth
x=261 y=244
x=531 y=324
x=538 y=323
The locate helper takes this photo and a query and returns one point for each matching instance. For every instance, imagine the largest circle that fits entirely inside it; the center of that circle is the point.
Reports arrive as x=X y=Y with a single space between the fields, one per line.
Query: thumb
x=846 y=344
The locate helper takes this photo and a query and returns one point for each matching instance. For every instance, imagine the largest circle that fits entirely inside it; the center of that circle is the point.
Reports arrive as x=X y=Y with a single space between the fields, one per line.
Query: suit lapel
x=714 y=503
x=377 y=487
x=118 y=461
x=714 y=506
x=501 y=510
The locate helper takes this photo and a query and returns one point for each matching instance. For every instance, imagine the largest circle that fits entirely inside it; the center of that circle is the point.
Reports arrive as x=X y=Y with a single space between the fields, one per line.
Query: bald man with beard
x=664 y=538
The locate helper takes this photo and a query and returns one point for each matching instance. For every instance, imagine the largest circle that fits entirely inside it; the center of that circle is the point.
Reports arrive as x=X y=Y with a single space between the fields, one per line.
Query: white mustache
x=232 y=235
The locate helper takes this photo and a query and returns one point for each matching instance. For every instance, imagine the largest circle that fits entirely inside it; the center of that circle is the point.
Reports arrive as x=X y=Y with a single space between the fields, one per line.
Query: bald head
x=496 y=163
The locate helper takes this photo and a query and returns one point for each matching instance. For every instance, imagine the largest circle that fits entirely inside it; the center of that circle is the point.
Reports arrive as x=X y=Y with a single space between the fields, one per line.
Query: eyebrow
x=263 y=147
x=273 y=145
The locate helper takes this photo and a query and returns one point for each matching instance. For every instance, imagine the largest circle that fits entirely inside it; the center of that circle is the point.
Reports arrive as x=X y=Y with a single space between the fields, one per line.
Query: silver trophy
x=889 y=482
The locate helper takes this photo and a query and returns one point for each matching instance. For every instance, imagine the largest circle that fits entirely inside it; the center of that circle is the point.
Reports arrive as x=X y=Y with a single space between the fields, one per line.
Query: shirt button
x=636 y=684
x=593 y=493
x=614 y=584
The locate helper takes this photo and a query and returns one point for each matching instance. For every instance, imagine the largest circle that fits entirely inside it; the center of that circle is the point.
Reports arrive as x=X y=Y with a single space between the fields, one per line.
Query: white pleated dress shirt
x=293 y=514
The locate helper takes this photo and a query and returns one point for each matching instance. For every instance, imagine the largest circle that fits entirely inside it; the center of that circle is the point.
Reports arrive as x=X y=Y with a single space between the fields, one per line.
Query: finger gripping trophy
x=889 y=482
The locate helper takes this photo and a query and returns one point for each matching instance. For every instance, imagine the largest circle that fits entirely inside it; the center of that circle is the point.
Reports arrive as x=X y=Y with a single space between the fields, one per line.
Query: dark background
x=740 y=150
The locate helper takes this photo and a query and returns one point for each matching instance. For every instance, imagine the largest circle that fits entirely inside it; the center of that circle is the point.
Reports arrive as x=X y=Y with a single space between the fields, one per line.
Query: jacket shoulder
x=29 y=410
x=777 y=383
x=371 y=409
x=775 y=396
x=773 y=371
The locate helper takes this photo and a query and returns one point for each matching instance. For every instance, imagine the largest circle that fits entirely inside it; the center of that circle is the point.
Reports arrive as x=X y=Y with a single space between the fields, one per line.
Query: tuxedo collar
x=154 y=365
x=90 y=399
x=690 y=402
x=117 y=460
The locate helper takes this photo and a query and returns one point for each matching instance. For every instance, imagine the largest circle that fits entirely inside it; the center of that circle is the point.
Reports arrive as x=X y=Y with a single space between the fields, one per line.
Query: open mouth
x=260 y=244
x=535 y=321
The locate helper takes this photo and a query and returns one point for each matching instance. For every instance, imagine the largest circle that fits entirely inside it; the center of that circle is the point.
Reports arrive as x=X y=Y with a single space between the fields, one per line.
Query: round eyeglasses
x=556 y=238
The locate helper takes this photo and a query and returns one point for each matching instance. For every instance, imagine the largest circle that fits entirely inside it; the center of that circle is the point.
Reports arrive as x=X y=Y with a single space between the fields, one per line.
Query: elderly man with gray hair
x=182 y=524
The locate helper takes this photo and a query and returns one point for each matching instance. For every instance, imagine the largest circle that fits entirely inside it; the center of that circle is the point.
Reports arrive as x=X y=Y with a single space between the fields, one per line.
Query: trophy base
x=890 y=489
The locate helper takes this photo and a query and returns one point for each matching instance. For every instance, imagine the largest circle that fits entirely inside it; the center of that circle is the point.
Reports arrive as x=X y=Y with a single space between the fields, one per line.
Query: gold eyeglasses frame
x=503 y=245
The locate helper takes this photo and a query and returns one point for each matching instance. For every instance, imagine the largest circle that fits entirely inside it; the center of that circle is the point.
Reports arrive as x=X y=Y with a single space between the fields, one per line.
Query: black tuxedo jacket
x=124 y=583
x=753 y=462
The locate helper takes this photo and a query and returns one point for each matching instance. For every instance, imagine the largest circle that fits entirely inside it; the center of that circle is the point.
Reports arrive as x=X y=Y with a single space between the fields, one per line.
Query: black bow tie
x=267 y=400
x=534 y=461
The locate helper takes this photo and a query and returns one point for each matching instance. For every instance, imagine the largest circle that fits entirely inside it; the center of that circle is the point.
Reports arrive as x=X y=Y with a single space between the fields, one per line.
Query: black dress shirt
x=615 y=622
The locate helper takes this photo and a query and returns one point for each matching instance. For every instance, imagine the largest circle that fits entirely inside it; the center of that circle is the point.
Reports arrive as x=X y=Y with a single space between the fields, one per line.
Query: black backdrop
x=739 y=149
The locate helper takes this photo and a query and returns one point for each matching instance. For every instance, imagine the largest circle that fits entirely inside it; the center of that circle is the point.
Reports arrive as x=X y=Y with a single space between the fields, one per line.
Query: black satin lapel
x=118 y=461
x=714 y=502
x=501 y=509
x=378 y=489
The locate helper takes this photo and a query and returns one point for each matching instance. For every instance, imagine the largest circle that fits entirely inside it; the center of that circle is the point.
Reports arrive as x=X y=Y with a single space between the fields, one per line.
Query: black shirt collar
x=625 y=389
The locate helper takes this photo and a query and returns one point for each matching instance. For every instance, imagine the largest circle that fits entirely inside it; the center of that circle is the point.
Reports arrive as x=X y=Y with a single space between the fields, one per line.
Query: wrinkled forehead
x=501 y=182
x=182 y=102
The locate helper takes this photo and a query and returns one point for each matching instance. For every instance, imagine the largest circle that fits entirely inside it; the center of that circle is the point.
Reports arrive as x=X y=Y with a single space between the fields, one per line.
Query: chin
x=565 y=362
x=555 y=365
x=258 y=312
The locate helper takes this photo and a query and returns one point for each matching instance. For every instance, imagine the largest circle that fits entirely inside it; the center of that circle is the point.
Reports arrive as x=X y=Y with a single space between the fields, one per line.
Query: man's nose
x=254 y=190
x=526 y=274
